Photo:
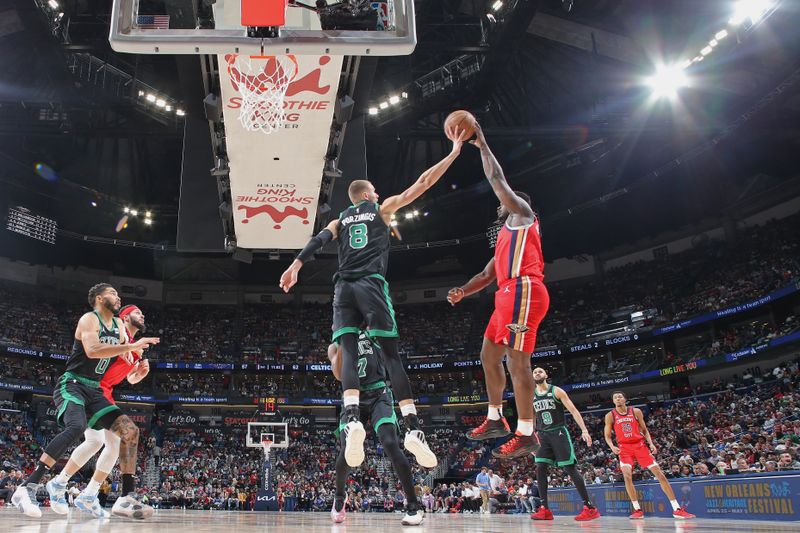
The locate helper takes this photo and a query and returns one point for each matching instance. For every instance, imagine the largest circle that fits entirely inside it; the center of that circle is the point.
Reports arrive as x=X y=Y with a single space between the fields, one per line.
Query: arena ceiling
x=558 y=92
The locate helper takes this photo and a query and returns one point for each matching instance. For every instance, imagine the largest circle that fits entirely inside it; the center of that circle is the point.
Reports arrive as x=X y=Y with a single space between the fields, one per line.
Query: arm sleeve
x=316 y=243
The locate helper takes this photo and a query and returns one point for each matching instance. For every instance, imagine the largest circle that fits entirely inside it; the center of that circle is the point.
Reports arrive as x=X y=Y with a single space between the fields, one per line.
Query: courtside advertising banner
x=276 y=177
x=772 y=496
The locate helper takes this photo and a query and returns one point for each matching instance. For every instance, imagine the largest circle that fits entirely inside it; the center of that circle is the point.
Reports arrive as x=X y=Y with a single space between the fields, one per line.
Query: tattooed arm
x=494 y=173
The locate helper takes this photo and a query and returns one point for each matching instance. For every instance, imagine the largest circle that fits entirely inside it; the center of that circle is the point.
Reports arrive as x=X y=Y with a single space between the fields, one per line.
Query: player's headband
x=128 y=309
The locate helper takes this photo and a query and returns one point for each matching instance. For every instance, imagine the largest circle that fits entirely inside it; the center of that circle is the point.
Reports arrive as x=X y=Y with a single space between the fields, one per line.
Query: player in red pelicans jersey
x=134 y=371
x=636 y=445
x=521 y=302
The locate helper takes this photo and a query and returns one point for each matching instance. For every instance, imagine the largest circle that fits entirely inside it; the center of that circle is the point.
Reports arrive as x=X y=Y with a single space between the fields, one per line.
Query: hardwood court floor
x=169 y=521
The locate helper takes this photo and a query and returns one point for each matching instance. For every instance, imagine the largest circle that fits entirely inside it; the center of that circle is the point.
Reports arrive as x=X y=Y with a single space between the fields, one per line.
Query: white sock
x=675 y=505
x=408 y=409
x=350 y=400
x=636 y=506
x=525 y=427
x=495 y=412
x=92 y=488
x=62 y=478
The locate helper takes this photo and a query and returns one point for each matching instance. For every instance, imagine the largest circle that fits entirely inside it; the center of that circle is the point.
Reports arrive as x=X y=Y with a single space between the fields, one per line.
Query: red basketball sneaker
x=588 y=514
x=518 y=446
x=490 y=429
x=542 y=514
x=682 y=514
x=636 y=514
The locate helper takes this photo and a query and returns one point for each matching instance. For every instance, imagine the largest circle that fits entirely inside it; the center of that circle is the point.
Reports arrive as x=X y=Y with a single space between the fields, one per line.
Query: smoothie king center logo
x=297 y=98
x=279 y=201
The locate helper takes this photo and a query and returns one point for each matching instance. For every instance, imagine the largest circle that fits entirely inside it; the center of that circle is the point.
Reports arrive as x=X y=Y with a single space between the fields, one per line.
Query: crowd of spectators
x=596 y=366
x=711 y=275
x=730 y=431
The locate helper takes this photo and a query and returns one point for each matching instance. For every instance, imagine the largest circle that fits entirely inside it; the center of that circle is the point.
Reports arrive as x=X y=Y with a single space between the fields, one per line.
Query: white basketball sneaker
x=131 y=506
x=415 y=443
x=56 y=490
x=90 y=504
x=354 y=434
x=24 y=499
x=414 y=515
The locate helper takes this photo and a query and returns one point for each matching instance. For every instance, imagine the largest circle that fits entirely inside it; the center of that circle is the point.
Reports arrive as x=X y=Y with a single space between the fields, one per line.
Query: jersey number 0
x=102 y=365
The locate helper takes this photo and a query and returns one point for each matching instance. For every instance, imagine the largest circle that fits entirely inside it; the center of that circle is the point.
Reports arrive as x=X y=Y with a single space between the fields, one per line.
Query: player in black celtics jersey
x=361 y=295
x=80 y=403
x=376 y=405
x=550 y=404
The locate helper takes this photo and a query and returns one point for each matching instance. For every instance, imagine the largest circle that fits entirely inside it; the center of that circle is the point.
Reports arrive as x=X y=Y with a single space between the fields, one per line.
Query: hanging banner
x=275 y=178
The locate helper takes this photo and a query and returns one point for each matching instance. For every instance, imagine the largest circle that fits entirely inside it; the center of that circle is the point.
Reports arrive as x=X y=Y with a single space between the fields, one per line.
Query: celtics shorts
x=363 y=301
x=72 y=388
x=376 y=405
x=555 y=447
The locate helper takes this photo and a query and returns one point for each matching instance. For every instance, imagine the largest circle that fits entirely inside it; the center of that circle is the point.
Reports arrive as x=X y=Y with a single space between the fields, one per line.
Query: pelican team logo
x=517 y=328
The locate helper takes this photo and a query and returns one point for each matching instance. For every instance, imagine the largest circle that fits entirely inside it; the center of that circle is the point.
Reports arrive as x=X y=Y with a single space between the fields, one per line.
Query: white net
x=262 y=81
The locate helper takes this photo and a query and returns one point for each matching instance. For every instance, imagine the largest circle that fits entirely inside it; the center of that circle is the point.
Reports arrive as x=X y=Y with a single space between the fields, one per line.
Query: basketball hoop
x=266 y=444
x=262 y=81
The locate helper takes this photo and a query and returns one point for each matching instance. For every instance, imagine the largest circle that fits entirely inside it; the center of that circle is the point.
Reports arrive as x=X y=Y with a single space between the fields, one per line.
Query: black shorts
x=376 y=406
x=555 y=447
x=363 y=301
x=71 y=388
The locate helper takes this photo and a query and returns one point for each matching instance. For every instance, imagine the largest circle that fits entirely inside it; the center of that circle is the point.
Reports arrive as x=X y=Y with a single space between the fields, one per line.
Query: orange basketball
x=462 y=120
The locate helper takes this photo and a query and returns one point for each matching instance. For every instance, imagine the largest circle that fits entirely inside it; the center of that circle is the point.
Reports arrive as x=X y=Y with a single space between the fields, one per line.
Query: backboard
x=277 y=432
x=215 y=27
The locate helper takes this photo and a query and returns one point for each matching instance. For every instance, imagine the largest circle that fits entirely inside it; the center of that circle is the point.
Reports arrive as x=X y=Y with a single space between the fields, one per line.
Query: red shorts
x=630 y=454
x=519 y=306
x=107 y=392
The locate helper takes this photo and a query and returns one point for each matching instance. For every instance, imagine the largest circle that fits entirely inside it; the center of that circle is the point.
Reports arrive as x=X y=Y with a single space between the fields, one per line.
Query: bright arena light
x=707 y=50
x=394 y=99
x=383 y=105
x=721 y=35
x=373 y=110
x=667 y=80
x=749 y=9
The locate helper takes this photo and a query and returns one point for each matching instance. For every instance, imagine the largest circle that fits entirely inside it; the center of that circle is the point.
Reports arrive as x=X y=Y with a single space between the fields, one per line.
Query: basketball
x=462 y=120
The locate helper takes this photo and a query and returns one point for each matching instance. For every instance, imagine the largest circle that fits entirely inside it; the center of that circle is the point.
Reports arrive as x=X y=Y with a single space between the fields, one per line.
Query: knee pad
x=107 y=459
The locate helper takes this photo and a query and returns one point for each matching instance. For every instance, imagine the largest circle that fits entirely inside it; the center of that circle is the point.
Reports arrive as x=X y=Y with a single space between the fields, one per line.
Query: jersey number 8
x=358 y=236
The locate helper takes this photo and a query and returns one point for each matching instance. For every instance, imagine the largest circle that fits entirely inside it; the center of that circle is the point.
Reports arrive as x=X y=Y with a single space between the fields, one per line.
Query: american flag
x=153 y=22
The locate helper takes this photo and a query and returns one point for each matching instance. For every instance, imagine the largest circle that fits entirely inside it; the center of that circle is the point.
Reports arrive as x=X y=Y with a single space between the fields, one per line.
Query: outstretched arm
x=494 y=173
x=478 y=282
x=564 y=399
x=87 y=333
x=426 y=180
x=289 y=276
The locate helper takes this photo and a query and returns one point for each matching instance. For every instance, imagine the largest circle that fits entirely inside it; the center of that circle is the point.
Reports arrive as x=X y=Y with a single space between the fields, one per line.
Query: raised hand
x=456 y=135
